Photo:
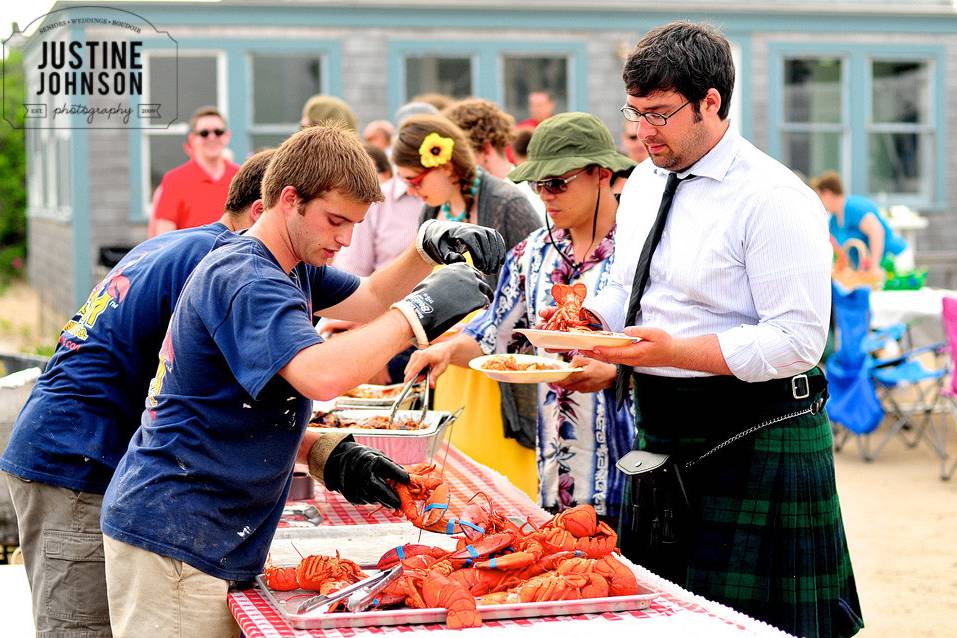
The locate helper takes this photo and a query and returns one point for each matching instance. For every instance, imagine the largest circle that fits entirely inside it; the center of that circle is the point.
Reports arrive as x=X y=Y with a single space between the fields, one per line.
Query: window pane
x=281 y=85
x=812 y=153
x=166 y=152
x=197 y=84
x=64 y=172
x=525 y=75
x=813 y=90
x=901 y=91
x=263 y=141
x=449 y=76
x=900 y=163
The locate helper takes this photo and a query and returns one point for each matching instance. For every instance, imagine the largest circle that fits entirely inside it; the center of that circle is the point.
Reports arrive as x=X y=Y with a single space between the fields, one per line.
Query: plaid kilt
x=766 y=535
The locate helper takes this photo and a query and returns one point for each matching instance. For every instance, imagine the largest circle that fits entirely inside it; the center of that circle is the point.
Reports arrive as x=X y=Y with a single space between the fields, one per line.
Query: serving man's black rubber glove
x=442 y=299
x=358 y=472
x=444 y=242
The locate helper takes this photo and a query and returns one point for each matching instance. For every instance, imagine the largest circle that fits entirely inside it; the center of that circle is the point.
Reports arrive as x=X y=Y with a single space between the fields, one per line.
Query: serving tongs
x=408 y=388
x=358 y=596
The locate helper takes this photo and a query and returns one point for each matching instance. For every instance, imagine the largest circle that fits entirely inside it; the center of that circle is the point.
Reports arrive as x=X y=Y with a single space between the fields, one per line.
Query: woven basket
x=844 y=272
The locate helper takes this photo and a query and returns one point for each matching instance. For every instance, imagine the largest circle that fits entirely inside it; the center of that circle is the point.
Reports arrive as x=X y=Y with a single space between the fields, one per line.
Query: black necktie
x=642 y=273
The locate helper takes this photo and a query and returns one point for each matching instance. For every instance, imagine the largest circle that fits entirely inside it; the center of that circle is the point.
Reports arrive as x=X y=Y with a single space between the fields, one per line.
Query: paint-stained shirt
x=207 y=473
x=83 y=410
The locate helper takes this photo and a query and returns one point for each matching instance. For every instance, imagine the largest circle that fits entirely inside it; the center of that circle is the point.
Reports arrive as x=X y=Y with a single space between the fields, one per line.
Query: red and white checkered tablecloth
x=675 y=612
x=465 y=478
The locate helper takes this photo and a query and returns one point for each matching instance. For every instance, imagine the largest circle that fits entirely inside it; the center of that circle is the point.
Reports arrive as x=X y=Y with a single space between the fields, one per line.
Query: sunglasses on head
x=206 y=132
x=417 y=180
x=554 y=185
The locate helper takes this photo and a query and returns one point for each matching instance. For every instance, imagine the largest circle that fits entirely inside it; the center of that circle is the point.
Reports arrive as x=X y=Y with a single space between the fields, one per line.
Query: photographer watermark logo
x=85 y=67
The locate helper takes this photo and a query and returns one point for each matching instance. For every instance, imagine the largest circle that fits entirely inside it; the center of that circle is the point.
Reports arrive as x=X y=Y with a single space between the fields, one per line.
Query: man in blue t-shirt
x=857 y=217
x=78 y=421
x=196 y=499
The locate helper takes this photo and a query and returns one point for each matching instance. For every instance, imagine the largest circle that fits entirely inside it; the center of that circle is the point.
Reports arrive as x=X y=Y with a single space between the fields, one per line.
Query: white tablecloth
x=908 y=306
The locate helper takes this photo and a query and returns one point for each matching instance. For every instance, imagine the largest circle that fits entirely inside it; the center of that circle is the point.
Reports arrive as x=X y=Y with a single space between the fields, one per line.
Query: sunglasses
x=554 y=185
x=417 y=180
x=206 y=132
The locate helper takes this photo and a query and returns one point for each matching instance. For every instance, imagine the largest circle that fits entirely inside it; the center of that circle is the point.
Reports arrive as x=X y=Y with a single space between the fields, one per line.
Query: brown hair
x=320 y=159
x=246 y=186
x=438 y=100
x=522 y=138
x=379 y=158
x=203 y=111
x=828 y=181
x=413 y=132
x=483 y=122
x=328 y=109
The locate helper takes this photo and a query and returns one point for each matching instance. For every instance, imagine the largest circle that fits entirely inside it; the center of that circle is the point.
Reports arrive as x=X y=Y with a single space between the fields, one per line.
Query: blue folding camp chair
x=862 y=387
x=853 y=405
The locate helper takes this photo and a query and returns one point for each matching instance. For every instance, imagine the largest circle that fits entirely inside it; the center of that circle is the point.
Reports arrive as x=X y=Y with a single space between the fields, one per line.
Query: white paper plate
x=525 y=376
x=559 y=340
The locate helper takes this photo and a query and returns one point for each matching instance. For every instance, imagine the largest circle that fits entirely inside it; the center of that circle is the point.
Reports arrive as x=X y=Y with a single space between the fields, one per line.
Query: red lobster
x=568 y=315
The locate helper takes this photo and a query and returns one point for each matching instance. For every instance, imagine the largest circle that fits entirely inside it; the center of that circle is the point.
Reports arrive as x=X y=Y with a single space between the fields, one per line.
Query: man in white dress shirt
x=733 y=320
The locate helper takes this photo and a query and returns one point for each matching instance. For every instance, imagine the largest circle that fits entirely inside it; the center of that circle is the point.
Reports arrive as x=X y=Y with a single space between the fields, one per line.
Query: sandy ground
x=901 y=519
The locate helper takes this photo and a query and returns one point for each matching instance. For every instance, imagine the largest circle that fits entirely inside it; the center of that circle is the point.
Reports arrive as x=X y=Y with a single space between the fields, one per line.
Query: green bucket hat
x=568 y=141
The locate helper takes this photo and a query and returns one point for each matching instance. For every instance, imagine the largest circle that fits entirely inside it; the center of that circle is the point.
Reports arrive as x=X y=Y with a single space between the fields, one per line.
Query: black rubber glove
x=358 y=472
x=442 y=299
x=445 y=242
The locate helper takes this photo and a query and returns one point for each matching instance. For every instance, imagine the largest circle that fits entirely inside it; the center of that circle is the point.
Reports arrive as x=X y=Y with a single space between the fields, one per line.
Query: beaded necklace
x=446 y=209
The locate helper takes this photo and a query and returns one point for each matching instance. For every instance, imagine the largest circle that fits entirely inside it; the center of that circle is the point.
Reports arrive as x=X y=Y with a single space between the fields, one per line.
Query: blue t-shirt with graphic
x=206 y=475
x=78 y=421
x=855 y=209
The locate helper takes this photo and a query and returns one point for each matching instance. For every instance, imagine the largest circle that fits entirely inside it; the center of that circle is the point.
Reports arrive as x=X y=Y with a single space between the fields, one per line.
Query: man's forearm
x=700 y=353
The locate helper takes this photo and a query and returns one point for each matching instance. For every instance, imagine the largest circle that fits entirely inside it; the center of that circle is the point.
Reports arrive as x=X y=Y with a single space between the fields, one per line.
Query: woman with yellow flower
x=432 y=155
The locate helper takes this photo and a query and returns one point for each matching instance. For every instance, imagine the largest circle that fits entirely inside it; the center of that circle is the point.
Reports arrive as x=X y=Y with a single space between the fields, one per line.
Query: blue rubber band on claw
x=471 y=550
x=400 y=552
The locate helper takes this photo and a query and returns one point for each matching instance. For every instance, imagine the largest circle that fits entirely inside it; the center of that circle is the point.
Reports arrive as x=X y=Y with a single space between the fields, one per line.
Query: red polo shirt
x=189 y=197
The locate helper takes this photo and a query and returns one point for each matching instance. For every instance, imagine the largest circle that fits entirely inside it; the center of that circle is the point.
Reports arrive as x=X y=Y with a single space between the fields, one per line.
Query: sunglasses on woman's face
x=417 y=180
x=555 y=185
x=206 y=132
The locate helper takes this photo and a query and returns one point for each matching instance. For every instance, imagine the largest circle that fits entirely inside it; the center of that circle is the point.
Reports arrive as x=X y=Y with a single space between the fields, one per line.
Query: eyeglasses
x=206 y=132
x=417 y=180
x=555 y=185
x=655 y=119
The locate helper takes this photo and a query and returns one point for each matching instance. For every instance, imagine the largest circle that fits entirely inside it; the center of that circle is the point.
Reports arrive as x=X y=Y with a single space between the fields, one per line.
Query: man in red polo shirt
x=194 y=193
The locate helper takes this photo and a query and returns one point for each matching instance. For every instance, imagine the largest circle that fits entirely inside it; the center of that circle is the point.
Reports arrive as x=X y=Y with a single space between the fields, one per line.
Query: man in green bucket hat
x=580 y=435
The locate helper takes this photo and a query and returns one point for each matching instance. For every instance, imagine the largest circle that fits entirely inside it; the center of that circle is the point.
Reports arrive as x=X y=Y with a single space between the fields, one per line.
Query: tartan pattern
x=768 y=539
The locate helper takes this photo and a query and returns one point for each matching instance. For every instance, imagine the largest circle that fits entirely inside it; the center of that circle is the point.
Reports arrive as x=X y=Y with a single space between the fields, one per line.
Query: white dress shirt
x=744 y=255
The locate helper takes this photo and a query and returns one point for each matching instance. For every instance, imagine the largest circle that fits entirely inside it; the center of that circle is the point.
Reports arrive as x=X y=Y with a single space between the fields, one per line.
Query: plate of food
x=575 y=338
x=522 y=368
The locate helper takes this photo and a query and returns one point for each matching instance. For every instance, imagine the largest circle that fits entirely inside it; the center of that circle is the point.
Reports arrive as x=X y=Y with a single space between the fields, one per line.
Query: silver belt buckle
x=800 y=386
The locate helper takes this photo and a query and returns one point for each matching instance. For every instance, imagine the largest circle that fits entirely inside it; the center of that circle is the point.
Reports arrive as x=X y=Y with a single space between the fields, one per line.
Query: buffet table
x=675 y=612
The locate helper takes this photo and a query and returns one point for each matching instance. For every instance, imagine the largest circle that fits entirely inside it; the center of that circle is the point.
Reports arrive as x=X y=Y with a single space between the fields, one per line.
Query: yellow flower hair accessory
x=435 y=150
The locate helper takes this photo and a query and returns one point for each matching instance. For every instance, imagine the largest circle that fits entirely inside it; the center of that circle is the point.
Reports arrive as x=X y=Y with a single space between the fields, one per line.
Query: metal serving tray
x=402 y=446
x=286 y=603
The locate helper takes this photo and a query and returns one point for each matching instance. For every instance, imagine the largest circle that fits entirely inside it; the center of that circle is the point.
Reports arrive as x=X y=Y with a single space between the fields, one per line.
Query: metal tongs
x=360 y=595
x=405 y=391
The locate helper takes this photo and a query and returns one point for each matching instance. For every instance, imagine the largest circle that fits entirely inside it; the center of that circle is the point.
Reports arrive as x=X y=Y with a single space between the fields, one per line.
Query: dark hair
x=522 y=137
x=246 y=186
x=204 y=111
x=382 y=163
x=623 y=174
x=685 y=57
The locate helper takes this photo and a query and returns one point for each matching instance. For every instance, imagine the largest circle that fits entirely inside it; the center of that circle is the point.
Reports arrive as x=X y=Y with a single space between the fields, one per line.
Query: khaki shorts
x=152 y=595
x=63 y=555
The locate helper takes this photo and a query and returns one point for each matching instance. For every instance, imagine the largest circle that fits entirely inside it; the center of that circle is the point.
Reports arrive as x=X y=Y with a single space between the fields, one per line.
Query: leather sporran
x=655 y=515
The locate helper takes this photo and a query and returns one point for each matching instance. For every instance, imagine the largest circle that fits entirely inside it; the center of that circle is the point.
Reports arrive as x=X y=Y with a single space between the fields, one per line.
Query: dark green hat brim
x=534 y=170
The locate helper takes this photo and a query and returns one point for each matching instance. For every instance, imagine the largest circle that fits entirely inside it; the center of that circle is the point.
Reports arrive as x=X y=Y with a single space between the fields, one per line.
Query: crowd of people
x=425 y=241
